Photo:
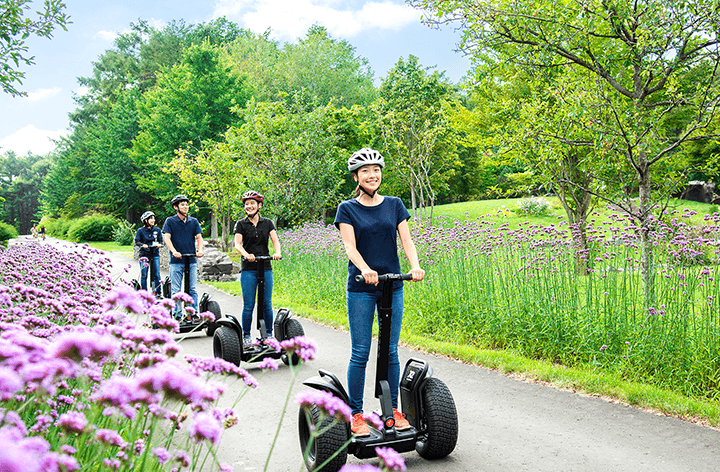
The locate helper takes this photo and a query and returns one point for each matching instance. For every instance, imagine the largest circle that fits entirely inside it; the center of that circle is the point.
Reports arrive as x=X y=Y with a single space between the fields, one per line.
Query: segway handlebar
x=261 y=258
x=384 y=277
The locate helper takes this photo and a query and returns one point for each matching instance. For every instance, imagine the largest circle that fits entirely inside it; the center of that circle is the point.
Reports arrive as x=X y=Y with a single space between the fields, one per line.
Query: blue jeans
x=249 y=283
x=361 y=315
x=177 y=271
x=145 y=268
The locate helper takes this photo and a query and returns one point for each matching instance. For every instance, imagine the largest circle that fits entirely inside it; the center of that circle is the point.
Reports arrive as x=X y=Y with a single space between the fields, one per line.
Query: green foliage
x=20 y=187
x=96 y=227
x=7 y=232
x=293 y=155
x=191 y=103
x=15 y=30
x=123 y=233
x=57 y=227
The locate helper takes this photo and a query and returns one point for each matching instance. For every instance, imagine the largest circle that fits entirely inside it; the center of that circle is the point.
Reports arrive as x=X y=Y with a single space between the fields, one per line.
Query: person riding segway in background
x=369 y=224
x=251 y=239
x=148 y=239
x=183 y=238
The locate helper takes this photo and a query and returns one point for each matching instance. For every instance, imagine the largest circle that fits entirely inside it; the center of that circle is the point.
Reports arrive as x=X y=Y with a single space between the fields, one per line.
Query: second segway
x=227 y=342
x=426 y=401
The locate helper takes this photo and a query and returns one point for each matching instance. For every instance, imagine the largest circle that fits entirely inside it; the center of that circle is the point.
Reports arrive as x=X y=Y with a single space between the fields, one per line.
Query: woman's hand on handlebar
x=370 y=276
x=276 y=256
x=417 y=274
x=250 y=257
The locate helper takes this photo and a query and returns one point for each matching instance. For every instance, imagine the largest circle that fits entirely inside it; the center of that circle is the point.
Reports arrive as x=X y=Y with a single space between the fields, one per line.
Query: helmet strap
x=369 y=194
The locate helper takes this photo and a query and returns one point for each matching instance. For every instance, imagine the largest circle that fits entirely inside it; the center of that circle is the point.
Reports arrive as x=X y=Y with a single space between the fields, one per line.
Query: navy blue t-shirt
x=149 y=236
x=375 y=237
x=182 y=235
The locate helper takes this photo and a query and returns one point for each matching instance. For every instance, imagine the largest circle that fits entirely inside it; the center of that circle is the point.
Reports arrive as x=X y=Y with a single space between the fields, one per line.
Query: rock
x=214 y=263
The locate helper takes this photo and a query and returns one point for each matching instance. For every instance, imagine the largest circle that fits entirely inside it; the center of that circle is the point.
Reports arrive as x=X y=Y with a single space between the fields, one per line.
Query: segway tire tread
x=293 y=329
x=226 y=345
x=324 y=445
x=441 y=420
x=214 y=308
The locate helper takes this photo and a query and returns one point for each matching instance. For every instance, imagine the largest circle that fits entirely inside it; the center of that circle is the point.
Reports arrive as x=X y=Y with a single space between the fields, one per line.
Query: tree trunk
x=646 y=256
x=213 y=225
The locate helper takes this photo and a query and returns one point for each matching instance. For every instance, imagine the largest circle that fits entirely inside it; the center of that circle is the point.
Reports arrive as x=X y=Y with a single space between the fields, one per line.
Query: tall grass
x=492 y=285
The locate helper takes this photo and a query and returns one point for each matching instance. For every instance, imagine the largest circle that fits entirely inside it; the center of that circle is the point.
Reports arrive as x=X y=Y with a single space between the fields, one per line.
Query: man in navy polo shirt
x=183 y=235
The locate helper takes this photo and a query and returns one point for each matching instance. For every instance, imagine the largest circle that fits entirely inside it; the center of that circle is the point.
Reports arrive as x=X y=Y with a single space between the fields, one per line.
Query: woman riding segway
x=369 y=223
x=251 y=239
x=148 y=240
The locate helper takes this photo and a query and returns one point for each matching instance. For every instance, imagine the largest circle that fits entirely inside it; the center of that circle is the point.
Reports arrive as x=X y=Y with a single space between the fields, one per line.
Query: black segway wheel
x=330 y=446
x=214 y=308
x=293 y=328
x=441 y=421
x=226 y=345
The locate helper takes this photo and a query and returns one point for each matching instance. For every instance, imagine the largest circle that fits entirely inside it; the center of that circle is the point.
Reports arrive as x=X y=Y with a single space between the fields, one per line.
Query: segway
x=190 y=323
x=227 y=342
x=426 y=401
x=157 y=291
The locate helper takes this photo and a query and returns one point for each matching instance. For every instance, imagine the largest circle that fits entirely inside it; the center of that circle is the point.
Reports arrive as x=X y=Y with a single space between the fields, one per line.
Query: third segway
x=227 y=342
x=426 y=401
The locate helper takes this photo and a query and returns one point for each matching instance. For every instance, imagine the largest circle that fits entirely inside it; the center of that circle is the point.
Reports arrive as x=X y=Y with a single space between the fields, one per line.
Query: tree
x=294 y=156
x=653 y=72
x=319 y=68
x=327 y=69
x=416 y=133
x=14 y=30
x=215 y=175
x=191 y=103
x=20 y=186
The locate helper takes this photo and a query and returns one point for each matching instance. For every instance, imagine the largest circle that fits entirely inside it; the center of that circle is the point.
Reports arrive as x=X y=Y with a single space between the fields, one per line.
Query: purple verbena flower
x=73 y=421
x=304 y=347
x=326 y=402
x=268 y=363
x=205 y=427
x=390 y=458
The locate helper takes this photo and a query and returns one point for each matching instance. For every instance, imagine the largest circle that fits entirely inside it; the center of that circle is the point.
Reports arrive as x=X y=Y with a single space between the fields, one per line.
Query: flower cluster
x=77 y=372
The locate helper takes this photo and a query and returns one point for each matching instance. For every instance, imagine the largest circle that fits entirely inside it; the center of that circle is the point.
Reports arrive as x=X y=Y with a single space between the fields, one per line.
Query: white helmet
x=363 y=157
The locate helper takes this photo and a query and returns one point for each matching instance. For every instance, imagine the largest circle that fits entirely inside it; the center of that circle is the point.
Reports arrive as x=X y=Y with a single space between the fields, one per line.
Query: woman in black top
x=148 y=239
x=251 y=239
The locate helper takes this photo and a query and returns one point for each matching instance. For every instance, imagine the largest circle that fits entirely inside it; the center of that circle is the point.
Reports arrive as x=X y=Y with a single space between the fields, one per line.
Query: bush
x=124 y=233
x=93 y=228
x=57 y=227
x=7 y=232
x=536 y=206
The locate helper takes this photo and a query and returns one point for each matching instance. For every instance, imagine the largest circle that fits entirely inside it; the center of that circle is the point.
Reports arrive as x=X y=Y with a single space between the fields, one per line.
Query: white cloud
x=106 y=35
x=290 y=19
x=42 y=94
x=32 y=139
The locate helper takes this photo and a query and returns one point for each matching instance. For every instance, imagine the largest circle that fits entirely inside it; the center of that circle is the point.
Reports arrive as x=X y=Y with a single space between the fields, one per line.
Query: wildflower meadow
x=91 y=376
x=493 y=286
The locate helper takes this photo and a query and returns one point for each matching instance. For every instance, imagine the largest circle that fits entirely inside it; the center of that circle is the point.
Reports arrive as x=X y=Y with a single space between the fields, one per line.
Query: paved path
x=505 y=424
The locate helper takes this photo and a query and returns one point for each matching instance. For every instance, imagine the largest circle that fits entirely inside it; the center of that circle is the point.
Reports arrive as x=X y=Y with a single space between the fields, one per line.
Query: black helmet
x=177 y=199
x=146 y=215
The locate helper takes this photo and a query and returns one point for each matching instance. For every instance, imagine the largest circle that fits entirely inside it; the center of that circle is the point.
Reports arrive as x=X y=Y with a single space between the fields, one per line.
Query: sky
x=382 y=31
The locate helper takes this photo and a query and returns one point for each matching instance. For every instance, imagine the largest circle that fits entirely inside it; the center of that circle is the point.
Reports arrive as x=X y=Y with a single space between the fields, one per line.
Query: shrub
x=95 y=227
x=57 y=227
x=7 y=232
x=124 y=233
x=536 y=206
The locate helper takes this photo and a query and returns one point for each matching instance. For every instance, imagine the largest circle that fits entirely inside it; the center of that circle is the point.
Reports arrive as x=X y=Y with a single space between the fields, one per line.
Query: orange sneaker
x=400 y=422
x=358 y=426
